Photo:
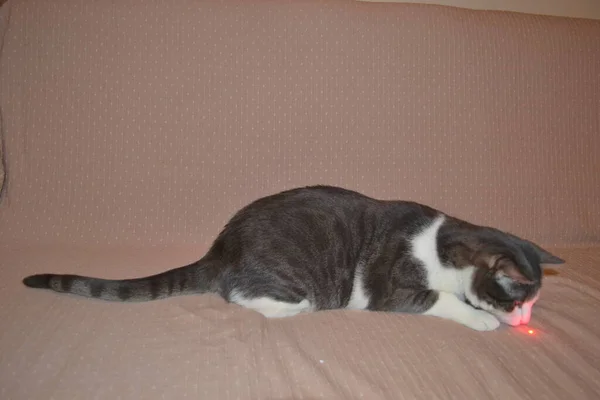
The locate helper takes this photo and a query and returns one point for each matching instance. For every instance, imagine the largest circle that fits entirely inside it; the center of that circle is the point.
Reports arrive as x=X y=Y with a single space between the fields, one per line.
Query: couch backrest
x=154 y=121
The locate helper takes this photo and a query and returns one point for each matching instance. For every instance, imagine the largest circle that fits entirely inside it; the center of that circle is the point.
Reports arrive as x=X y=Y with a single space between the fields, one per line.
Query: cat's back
x=301 y=214
x=316 y=198
x=322 y=192
x=328 y=202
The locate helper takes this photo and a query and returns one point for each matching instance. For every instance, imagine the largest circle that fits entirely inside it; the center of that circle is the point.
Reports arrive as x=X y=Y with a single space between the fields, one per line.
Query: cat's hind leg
x=441 y=304
x=271 y=288
x=269 y=307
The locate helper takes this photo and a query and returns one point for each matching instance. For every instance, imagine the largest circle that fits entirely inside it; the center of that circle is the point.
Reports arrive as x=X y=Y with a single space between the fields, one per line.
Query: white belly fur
x=359 y=300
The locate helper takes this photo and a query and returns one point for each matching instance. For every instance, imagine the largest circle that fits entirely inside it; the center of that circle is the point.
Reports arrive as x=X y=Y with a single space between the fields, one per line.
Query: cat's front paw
x=482 y=321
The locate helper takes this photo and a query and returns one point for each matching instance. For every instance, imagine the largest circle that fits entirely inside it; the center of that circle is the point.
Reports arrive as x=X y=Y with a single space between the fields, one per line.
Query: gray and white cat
x=322 y=248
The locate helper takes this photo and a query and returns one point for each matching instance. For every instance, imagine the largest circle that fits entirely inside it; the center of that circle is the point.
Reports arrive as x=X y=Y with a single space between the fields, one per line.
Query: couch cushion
x=65 y=347
x=153 y=121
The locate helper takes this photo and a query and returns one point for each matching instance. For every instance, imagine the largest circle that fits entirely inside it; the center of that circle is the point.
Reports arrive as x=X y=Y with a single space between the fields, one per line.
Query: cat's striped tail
x=199 y=277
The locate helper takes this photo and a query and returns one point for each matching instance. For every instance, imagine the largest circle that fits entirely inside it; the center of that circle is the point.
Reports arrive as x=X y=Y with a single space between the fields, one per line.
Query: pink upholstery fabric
x=199 y=347
x=4 y=16
x=152 y=122
x=135 y=129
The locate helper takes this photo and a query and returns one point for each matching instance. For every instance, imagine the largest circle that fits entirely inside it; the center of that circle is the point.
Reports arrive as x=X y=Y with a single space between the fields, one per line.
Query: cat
x=324 y=247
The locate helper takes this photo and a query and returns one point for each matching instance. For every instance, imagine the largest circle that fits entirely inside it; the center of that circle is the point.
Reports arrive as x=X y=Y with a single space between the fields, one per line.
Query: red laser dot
x=530 y=331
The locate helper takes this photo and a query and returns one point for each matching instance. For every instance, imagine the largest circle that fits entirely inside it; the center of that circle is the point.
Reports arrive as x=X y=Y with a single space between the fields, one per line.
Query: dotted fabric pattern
x=153 y=122
x=199 y=347
x=563 y=8
x=134 y=129
x=4 y=16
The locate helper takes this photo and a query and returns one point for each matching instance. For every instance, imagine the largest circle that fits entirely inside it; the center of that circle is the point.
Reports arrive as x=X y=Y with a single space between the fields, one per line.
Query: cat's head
x=508 y=276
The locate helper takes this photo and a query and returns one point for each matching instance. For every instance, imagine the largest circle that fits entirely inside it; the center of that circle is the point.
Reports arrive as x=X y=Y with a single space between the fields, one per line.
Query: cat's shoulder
x=425 y=248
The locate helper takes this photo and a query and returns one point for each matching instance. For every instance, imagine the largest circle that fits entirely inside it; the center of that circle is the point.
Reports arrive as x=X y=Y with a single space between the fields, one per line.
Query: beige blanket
x=199 y=347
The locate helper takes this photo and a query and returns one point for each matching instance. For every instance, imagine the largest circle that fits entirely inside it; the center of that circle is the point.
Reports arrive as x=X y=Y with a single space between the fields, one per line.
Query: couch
x=132 y=130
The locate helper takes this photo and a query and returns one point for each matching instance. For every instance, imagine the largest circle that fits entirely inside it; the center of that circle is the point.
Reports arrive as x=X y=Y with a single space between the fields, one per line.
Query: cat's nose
x=525 y=315
x=515 y=318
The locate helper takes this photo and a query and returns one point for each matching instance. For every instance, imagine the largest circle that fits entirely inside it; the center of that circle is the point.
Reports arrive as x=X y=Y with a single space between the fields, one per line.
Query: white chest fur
x=439 y=277
x=452 y=284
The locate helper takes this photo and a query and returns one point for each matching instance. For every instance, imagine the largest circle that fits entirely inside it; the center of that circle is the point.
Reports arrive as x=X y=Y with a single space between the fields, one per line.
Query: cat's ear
x=546 y=258
x=506 y=269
